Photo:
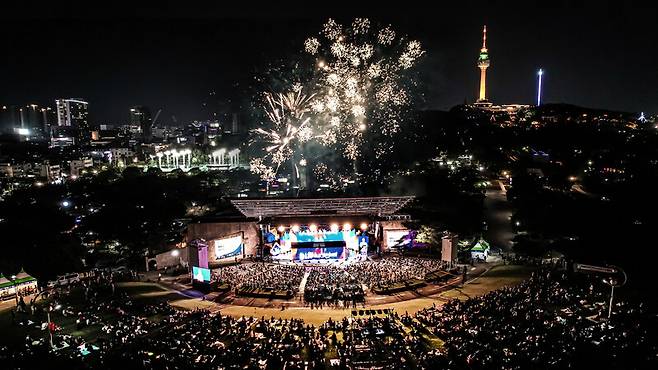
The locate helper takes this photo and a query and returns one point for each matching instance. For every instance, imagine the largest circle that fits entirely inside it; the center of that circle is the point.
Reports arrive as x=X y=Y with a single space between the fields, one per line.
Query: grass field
x=16 y=332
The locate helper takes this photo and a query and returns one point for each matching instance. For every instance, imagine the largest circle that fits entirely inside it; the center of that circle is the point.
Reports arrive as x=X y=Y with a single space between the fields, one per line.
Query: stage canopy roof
x=290 y=207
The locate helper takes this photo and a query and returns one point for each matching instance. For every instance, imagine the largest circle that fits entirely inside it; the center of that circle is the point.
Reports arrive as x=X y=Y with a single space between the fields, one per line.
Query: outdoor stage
x=321 y=230
x=310 y=230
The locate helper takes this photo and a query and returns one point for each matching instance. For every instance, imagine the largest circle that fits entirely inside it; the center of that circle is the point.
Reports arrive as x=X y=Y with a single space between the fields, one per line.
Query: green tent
x=24 y=277
x=5 y=283
x=21 y=278
x=480 y=246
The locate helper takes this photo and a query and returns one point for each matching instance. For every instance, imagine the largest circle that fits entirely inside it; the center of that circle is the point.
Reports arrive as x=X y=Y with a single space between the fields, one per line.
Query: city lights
x=317 y=193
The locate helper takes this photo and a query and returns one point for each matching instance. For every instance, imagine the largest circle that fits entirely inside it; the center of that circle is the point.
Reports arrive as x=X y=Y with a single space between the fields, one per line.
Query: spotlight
x=364 y=226
x=333 y=227
x=281 y=228
x=295 y=228
x=347 y=226
x=313 y=227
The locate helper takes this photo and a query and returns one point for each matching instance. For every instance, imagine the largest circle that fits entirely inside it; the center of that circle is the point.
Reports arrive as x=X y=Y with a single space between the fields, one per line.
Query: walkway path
x=498 y=212
x=302 y=285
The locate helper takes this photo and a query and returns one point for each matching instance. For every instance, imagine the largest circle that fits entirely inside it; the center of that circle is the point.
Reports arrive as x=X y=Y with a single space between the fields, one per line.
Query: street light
x=13 y=282
x=50 y=327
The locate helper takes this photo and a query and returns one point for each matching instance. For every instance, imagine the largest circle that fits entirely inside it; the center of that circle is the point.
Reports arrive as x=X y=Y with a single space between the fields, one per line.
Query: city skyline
x=173 y=63
x=408 y=186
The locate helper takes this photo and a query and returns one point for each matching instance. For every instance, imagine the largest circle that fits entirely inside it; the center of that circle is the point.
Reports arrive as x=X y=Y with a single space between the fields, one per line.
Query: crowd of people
x=391 y=270
x=550 y=321
x=262 y=276
x=332 y=286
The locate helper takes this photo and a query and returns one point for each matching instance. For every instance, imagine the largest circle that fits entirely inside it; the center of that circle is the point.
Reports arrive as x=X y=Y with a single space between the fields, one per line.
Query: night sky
x=171 y=57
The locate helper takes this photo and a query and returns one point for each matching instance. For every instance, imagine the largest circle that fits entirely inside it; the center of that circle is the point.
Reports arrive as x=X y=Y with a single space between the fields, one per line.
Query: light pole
x=50 y=326
x=617 y=280
x=612 y=295
x=50 y=331
x=13 y=282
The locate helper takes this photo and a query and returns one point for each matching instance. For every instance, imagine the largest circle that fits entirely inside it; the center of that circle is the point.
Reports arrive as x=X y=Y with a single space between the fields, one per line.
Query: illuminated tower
x=540 y=74
x=483 y=64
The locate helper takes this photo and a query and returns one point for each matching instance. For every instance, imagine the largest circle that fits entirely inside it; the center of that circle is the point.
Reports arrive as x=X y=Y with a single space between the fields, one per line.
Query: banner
x=228 y=247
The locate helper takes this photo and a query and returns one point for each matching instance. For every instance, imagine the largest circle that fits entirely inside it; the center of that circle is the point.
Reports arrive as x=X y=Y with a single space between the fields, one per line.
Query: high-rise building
x=30 y=117
x=10 y=118
x=483 y=64
x=73 y=112
x=48 y=116
x=234 y=123
x=141 y=116
x=33 y=118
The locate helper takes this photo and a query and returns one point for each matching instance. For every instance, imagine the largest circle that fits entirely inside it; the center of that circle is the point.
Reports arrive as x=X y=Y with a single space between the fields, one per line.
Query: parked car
x=120 y=269
x=64 y=280
x=73 y=278
x=51 y=284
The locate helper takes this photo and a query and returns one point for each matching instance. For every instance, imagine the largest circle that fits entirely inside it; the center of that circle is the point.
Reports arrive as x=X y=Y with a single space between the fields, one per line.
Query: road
x=497 y=212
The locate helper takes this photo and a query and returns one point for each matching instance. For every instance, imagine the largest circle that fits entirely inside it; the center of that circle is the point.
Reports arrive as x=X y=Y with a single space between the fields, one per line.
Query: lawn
x=15 y=333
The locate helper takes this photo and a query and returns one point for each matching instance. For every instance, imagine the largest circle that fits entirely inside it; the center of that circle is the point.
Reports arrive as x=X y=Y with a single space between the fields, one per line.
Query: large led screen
x=228 y=247
x=200 y=274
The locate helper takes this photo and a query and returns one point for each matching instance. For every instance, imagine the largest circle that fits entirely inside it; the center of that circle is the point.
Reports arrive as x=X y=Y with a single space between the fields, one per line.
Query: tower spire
x=483 y=64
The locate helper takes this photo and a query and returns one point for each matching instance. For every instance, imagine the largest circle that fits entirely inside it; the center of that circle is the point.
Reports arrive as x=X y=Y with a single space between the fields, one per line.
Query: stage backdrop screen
x=200 y=274
x=319 y=252
x=228 y=247
x=397 y=238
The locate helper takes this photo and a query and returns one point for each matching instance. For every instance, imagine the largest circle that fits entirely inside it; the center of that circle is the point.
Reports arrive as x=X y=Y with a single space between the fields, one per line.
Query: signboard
x=448 y=249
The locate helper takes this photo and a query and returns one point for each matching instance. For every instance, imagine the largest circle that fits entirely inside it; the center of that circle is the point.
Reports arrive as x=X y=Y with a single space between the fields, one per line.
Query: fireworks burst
x=358 y=93
x=288 y=126
x=360 y=79
x=311 y=45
